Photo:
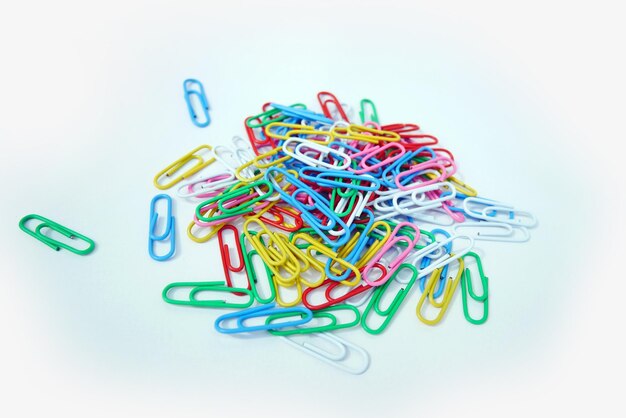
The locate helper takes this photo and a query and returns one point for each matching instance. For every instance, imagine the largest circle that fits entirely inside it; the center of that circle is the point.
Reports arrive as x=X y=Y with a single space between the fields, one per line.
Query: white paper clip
x=499 y=231
x=298 y=148
x=338 y=359
x=490 y=210
x=442 y=260
x=206 y=185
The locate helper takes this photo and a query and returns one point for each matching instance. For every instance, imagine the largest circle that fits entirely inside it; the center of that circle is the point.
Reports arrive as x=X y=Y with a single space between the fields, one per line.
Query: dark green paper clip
x=52 y=243
x=389 y=312
x=468 y=289
x=197 y=287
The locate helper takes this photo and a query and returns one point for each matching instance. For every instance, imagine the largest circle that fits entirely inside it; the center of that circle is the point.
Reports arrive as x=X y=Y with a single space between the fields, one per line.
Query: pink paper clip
x=373 y=151
x=394 y=239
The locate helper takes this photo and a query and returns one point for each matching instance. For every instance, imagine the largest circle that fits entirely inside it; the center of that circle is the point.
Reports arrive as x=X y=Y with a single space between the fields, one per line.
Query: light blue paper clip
x=168 y=234
x=193 y=87
x=427 y=260
x=302 y=114
x=354 y=255
x=319 y=202
x=260 y=311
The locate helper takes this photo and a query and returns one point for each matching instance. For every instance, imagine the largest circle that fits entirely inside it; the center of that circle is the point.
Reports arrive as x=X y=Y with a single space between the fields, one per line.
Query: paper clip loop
x=193 y=87
x=52 y=243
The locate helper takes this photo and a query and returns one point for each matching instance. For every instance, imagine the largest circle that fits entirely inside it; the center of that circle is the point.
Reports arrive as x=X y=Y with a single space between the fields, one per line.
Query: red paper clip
x=332 y=285
x=226 y=261
x=325 y=98
x=279 y=220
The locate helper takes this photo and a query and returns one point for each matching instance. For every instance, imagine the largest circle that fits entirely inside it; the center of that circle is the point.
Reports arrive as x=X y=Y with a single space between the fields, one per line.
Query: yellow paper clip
x=322 y=249
x=462 y=188
x=377 y=245
x=294 y=302
x=278 y=257
x=316 y=137
x=269 y=132
x=429 y=290
x=259 y=163
x=361 y=133
x=177 y=165
x=204 y=238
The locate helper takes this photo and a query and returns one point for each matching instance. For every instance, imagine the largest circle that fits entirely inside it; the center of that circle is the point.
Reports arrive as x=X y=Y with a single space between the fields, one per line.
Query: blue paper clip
x=241 y=316
x=427 y=260
x=193 y=87
x=319 y=202
x=302 y=113
x=168 y=234
x=354 y=255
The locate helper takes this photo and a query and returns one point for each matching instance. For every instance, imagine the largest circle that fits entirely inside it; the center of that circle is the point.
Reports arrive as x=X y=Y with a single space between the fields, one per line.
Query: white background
x=529 y=97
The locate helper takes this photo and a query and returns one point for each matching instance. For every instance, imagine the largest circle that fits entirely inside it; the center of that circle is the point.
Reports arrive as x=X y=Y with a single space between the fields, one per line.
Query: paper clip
x=279 y=219
x=331 y=178
x=468 y=289
x=199 y=287
x=225 y=253
x=336 y=360
x=301 y=149
x=319 y=202
x=371 y=153
x=271 y=116
x=261 y=161
x=177 y=165
x=302 y=114
x=362 y=133
x=395 y=239
x=442 y=305
x=304 y=314
x=192 y=88
x=325 y=98
x=253 y=277
x=169 y=233
x=205 y=187
x=500 y=232
x=491 y=209
x=327 y=313
x=377 y=296
x=373 y=112
x=53 y=226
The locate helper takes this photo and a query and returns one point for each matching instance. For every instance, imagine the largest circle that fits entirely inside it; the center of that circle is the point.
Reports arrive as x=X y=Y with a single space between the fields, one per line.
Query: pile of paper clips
x=324 y=216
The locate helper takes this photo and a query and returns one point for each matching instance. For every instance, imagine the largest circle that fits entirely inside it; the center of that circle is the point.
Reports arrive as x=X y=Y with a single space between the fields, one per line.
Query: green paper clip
x=389 y=312
x=253 y=278
x=52 y=243
x=373 y=117
x=197 y=287
x=467 y=288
